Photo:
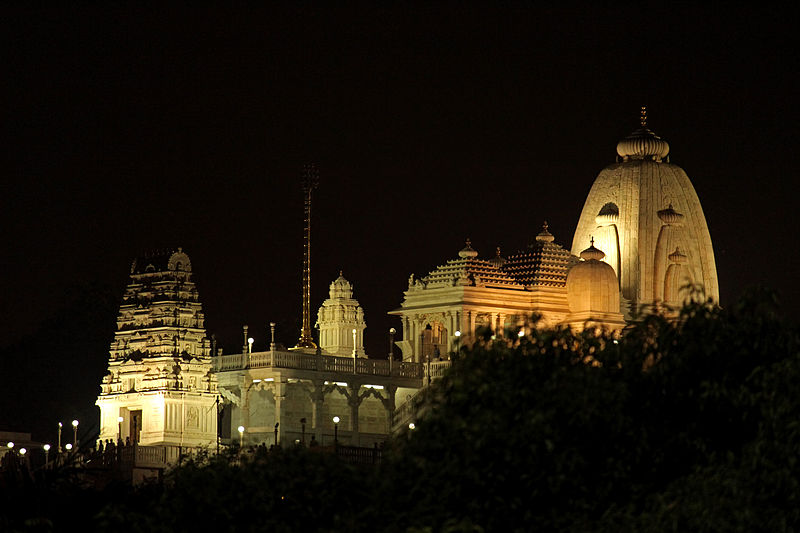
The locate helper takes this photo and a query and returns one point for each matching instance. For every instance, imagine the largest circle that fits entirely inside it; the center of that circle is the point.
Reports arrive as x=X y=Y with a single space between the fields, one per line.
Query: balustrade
x=320 y=363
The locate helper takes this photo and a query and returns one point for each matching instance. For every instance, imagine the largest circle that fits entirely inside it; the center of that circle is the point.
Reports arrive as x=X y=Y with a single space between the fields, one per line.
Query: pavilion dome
x=592 y=284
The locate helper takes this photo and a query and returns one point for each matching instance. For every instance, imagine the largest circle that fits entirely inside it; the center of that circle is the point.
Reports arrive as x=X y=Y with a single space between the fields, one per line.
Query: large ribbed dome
x=639 y=210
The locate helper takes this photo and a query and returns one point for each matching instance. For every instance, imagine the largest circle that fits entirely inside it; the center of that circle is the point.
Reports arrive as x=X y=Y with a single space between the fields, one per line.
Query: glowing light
x=74 y=423
x=458 y=333
x=241 y=429
x=23 y=451
x=336 y=419
x=250 y=341
x=521 y=333
x=411 y=426
x=10 y=445
x=378 y=387
x=256 y=381
x=68 y=446
x=46 y=447
x=120 y=419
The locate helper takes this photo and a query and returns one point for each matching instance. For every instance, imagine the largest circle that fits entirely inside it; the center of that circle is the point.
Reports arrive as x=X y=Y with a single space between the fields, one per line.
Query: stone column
x=244 y=411
x=317 y=402
x=280 y=395
x=391 y=391
x=353 y=401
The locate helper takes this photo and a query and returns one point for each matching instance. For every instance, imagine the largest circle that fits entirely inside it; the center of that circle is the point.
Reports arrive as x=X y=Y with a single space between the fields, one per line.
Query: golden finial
x=469 y=243
x=544 y=226
x=498 y=251
x=643 y=116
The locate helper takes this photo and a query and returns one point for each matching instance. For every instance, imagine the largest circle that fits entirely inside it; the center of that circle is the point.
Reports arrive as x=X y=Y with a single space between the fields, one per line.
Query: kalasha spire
x=310 y=182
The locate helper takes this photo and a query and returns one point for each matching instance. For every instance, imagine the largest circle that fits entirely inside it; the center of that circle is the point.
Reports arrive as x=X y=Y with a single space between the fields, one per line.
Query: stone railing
x=319 y=363
x=437 y=368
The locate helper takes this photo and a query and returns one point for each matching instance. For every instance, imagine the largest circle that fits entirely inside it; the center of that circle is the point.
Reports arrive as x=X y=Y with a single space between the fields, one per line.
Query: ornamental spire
x=643 y=116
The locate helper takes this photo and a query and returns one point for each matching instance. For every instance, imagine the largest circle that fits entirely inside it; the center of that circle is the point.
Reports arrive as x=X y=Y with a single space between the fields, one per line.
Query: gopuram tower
x=159 y=388
x=644 y=214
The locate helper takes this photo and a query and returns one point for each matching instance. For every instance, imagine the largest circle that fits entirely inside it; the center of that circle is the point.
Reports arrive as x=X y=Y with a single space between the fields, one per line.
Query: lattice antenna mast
x=310 y=182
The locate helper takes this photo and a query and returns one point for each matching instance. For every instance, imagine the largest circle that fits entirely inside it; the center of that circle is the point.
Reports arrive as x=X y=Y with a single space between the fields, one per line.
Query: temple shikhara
x=641 y=245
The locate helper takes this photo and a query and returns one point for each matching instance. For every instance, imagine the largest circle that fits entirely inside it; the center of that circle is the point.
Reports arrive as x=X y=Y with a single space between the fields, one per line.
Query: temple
x=159 y=388
x=641 y=244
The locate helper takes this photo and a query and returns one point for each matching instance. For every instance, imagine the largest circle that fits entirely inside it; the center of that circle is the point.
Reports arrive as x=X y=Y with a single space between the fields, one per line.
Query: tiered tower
x=159 y=388
x=341 y=321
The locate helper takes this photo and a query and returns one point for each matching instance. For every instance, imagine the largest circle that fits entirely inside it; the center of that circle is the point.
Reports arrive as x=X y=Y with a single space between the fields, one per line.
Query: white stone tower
x=337 y=318
x=644 y=213
x=159 y=389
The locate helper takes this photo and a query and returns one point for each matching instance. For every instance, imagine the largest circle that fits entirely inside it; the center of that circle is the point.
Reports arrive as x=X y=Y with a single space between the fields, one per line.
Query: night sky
x=131 y=129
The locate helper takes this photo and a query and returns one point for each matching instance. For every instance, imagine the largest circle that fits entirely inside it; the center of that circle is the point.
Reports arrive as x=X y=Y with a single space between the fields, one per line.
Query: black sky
x=127 y=129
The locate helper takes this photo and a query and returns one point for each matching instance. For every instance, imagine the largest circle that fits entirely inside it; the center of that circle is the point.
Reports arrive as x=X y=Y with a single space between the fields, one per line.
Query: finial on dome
x=677 y=256
x=545 y=236
x=498 y=260
x=468 y=252
x=670 y=216
x=341 y=274
x=643 y=143
x=592 y=253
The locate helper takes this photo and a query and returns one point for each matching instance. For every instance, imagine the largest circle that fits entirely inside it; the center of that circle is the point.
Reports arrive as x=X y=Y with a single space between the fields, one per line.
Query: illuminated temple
x=641 y=244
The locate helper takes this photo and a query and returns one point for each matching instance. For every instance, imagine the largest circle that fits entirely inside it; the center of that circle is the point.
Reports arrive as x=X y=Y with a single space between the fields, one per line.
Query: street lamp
x=75 y=434
x=336 y=429
x=68 y=447
x=10 y=445
x=250 y=342
x=46 y=453
x=119 y=435
x=23 y=451
x=59 y=436
x=392 y=331
x=241 y=436
x=411 y=426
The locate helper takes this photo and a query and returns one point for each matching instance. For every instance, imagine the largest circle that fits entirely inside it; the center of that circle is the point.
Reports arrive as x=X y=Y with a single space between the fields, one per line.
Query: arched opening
x=434 y=342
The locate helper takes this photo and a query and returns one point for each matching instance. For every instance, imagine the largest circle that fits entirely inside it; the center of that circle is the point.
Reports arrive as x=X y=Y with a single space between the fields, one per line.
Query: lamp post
x=392 y=331
x=272 y=333
x=241 y=436
x=23 y=451
x=59 y=436
x=119 y=433
x=336 y=430
x=250 y=342
x=75 y=434
x=46 y=453
x=68 y=447
x=10 y=445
